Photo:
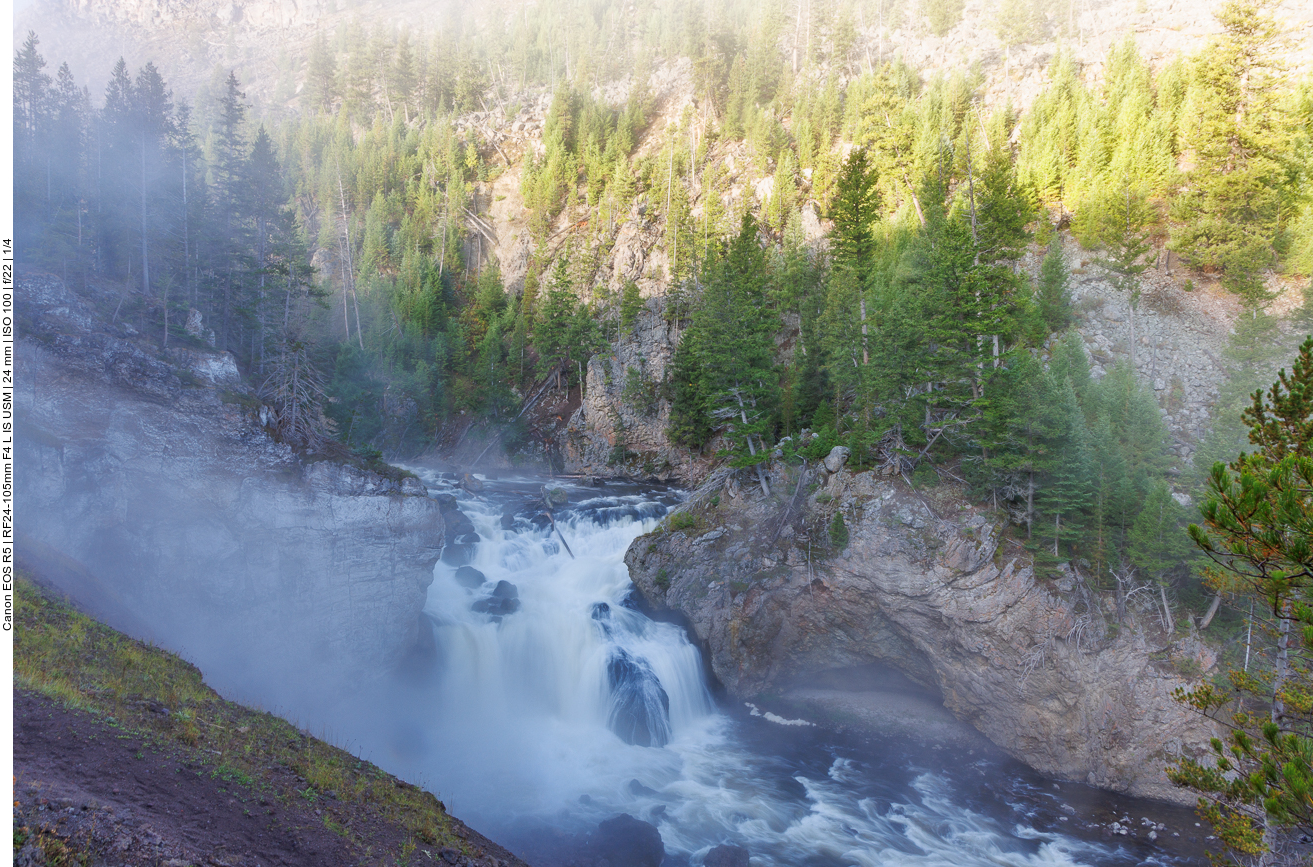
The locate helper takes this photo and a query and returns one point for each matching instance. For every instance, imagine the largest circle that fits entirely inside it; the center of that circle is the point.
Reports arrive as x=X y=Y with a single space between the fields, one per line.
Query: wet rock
x=726 y=856
x=554 y=496
x=640 y=707
x=468 y=576
x=637 y=788
x=505 y=599
x=628 y=842
x=457 y=554
x=471 y=484
x=943 y=601
x=446 y=502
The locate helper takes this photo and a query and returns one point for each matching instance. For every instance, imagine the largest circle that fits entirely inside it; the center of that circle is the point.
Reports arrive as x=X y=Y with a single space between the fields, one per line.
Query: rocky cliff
x=148 y=489
x=620 y=425
x=927 y=585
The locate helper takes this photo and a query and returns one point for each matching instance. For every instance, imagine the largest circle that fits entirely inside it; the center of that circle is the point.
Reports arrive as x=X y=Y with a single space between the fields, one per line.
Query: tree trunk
x=866 y=354
x=1281 y=671
x=752 y=449
x=145 y=253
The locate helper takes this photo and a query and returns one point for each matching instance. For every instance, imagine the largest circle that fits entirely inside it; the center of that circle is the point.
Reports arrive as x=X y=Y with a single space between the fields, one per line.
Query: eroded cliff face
x=620 y=426
x=1032 y=664
x=150 y=492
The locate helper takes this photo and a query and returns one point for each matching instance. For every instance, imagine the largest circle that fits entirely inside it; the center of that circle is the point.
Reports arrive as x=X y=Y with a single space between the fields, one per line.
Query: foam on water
x=522 y=720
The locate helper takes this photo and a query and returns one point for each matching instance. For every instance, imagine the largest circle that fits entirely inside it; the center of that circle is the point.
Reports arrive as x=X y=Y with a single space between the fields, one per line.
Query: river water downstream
x=555 y=703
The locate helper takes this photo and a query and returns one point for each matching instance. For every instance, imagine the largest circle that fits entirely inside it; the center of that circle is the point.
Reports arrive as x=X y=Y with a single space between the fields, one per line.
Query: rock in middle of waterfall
x=505 y=599
x=640 y=708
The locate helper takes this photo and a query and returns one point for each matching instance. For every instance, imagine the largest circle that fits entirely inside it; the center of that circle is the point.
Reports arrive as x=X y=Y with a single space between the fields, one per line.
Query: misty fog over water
x=513 y=725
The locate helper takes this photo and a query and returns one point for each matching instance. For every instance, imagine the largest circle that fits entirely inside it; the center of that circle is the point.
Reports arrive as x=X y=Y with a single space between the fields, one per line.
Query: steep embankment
x=933 y=591
x=151 y=493
x=123 y=756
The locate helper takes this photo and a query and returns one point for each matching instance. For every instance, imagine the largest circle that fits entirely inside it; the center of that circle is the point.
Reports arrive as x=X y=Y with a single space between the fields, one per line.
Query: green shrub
x=838 y=532
x=924 y=476
x=681 y=521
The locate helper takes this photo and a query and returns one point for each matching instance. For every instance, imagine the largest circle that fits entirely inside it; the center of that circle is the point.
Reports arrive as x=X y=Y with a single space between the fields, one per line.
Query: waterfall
x=556 y=703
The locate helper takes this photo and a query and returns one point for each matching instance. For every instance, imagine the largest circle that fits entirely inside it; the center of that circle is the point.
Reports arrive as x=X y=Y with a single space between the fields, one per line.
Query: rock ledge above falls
x=937 y=596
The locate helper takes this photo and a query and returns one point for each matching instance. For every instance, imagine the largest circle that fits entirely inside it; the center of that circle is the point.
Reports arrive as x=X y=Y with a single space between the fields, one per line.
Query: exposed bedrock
x=1025 y=661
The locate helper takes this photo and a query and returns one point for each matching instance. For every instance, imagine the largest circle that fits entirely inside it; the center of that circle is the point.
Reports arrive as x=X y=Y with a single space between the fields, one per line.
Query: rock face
x=182 y=515
x=620 y=427
x=1023 y=660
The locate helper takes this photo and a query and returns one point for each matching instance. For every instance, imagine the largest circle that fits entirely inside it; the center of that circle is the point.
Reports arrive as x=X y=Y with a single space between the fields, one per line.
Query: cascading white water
x=524 y=726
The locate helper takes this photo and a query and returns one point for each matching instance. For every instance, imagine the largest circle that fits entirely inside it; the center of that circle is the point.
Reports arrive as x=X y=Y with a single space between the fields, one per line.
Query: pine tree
x=1021 y=428
x=1156 y=544
x=1258 y=532
x=1228 y=216
x=846 y=327
x=1016 y=22
x=31 y=93
x=1066 y=494
x=725 y=364
x=553 y=320
x=1123 y=234
x=1051 y=292
x=321 y=76
x=942 y=15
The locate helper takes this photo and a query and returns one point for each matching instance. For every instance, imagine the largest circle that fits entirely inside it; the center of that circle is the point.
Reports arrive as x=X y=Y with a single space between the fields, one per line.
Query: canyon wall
x=925 y=584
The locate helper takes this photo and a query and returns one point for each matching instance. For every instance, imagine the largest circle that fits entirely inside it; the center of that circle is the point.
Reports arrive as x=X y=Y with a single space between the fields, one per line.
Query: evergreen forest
x=336 y=247
x=334 y=242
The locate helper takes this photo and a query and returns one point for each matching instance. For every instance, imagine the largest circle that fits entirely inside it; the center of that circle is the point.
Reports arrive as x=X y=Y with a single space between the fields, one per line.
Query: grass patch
x=681 y=521
x=152 y=694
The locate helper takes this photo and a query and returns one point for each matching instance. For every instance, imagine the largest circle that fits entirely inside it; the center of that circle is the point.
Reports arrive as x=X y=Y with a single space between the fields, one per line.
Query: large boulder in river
x=726 y=856
x=628 y=842
x=468 y=576
x=640 y=707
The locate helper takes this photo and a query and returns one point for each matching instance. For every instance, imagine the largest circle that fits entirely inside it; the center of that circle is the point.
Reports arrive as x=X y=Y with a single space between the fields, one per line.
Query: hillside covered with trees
x=336 y=250
x=339 y=251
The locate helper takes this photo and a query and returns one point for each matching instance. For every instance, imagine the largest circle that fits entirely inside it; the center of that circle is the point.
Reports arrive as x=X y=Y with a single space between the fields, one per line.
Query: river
x=555 y=703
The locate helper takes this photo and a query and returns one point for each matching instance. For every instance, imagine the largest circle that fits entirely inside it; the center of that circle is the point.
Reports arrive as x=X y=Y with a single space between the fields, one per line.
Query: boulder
x=726 y=856
x=468 y=576
x=637 y=788
x=640 y=706
x=628 y=842
x=505 y=599
x=835 y=460
x=555 y=497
